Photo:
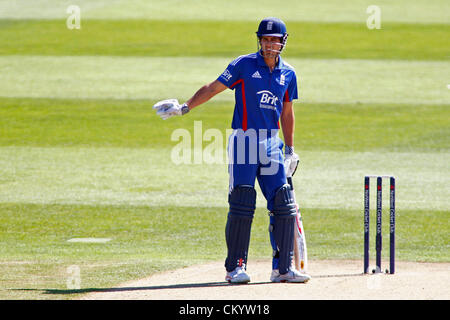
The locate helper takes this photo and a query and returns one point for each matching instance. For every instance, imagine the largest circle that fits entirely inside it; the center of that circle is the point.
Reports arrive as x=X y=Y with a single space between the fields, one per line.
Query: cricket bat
x=300 y=254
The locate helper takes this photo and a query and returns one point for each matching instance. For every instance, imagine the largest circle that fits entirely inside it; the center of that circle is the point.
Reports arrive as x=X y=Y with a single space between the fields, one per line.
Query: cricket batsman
x=265 y=87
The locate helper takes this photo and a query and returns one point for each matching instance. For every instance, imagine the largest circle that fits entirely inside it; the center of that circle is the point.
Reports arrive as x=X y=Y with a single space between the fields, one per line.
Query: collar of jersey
x=262 y=63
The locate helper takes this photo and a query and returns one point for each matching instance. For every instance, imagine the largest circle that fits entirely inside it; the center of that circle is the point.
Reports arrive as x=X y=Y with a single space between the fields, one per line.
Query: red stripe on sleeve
x=244 y=103
x=286 y=96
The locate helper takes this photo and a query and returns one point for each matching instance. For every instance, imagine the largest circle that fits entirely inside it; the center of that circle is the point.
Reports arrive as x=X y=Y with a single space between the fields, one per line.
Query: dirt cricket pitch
x=331 y=280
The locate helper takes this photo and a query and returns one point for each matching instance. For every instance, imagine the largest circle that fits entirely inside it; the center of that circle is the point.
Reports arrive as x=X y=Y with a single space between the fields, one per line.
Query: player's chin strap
x=283 y=42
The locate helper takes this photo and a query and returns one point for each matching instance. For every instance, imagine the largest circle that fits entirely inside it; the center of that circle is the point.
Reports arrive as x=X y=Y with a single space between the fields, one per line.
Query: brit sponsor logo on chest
x=267 y=100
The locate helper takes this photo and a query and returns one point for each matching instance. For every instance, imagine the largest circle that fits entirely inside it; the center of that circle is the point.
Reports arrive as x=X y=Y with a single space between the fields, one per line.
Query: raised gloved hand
x=291 y=160
x=169 y=108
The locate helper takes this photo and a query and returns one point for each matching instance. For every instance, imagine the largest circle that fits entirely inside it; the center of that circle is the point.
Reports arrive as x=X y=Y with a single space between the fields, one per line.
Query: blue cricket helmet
x=273 y=27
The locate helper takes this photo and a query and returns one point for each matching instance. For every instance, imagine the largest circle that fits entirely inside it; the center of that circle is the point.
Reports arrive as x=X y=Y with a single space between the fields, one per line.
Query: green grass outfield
x=82 y=154
x=403 y=41
x=417 y=11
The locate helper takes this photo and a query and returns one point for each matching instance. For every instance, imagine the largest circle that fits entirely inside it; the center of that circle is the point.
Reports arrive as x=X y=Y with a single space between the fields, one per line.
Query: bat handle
x=289 y=180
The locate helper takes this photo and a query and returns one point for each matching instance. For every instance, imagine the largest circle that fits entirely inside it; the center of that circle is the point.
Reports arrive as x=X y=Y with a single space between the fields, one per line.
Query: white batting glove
x=169 y=108
x=291 y=160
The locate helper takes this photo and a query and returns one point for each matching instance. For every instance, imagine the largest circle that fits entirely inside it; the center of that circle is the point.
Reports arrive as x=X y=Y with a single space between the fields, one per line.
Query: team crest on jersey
x=268 y=100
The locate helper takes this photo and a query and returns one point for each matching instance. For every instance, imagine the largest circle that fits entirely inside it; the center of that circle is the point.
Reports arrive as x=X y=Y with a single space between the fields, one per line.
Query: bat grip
x=289 y=180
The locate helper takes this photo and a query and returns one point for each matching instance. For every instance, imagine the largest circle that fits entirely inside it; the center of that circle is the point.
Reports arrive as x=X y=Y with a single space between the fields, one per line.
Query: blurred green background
x=82 y=154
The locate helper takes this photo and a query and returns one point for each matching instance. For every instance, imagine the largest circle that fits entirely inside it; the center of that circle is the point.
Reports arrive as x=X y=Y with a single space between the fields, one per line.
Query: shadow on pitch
x=173 y=286
x=125 y=289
